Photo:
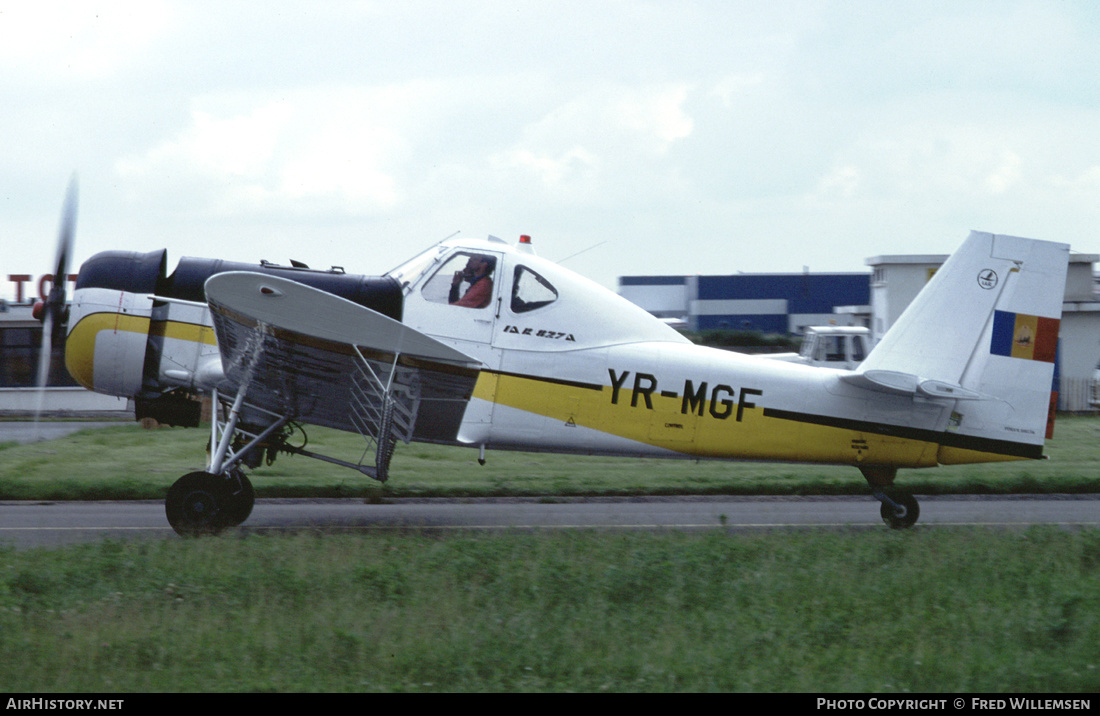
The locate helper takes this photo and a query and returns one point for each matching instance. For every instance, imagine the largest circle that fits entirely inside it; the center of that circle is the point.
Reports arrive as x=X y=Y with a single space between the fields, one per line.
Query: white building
x=20 y=342
x=896 y=280
x=894 y=283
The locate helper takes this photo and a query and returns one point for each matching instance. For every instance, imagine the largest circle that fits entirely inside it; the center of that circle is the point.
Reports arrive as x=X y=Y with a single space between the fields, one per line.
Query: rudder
x=984 y=332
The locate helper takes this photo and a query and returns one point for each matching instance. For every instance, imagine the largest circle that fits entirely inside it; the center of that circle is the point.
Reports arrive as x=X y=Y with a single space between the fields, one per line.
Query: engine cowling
x=137 y=332
x=108 y=335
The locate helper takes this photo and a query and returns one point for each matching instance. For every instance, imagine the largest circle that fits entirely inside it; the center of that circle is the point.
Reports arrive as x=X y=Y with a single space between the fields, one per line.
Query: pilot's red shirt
x=477 y=295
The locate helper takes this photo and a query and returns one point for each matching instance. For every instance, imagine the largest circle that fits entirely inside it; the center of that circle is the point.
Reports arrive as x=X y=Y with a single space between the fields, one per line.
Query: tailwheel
x=199 y=503
x=900 y=511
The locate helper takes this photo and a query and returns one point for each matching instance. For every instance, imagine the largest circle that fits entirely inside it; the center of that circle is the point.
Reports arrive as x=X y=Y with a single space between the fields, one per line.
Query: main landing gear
x=203 y=503
x=899 y=509
x=221 y=496
x=207 y=502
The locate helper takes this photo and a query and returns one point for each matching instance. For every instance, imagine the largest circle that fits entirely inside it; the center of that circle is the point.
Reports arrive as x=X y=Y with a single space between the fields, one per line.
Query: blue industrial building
x=769 y=303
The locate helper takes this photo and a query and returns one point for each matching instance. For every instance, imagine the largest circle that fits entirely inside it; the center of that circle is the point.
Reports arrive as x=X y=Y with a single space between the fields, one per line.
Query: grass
x=925 y=611
x=130 y=463
x=942 y=610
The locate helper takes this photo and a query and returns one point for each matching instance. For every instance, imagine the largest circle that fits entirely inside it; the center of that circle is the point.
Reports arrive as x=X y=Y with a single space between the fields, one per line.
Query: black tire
x=907 y=517
x=197 y=504
x=241 y=498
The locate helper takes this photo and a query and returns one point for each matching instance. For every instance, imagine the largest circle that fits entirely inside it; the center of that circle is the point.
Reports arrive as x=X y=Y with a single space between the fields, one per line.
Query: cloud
x=574 y=168
x=241 y=145
x=645 y=118
x=323 y=149
x=1006 y=174
x=730 y=88
x=764 y=136
x=74 y=39
x=598 y=142
x=843 y=181
x=361 y=150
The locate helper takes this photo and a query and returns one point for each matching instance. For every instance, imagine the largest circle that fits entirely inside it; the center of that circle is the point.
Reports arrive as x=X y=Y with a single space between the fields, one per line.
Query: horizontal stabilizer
x=980 y=340
x=908 y=384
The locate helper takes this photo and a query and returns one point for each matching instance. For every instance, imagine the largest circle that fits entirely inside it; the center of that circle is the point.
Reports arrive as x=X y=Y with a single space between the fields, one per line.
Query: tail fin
x=983 y=333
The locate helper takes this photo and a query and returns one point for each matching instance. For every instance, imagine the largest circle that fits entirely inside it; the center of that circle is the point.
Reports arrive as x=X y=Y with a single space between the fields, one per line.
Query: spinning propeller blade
x=52 y=311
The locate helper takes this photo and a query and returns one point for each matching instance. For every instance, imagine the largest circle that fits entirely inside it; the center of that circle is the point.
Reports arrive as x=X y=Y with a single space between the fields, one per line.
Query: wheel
x=241 y=498
x=198 y=504
x=906 y=516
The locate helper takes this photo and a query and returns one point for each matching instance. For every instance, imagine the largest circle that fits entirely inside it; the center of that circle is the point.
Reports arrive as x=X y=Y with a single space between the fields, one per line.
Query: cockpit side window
x=531 y=291
x=466 y=279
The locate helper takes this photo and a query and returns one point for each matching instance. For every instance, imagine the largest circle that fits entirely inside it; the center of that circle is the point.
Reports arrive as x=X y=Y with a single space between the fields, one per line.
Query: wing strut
x=293 y=355
x=383 y=406
x=222 y=455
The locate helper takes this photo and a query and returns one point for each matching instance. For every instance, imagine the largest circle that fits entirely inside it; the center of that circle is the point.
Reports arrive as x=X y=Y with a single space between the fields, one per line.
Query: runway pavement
x=26 y=524
x=48 y=524
x=24 y=432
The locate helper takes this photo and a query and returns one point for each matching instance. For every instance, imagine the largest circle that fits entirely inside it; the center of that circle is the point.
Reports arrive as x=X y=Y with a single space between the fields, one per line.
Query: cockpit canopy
x=492 y=276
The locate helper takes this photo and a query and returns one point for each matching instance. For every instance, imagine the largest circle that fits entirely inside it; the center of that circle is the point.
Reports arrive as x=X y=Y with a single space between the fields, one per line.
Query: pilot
x=480 y=291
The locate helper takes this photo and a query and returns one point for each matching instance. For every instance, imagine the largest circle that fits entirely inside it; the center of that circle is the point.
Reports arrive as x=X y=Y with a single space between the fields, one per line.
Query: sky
x=627 y=138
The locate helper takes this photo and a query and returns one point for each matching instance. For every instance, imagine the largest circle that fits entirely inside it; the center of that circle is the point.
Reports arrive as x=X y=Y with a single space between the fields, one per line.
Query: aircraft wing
x=317 y=358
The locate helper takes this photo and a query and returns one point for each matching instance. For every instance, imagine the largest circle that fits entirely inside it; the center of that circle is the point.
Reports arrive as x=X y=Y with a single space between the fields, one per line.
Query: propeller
x=52 y=311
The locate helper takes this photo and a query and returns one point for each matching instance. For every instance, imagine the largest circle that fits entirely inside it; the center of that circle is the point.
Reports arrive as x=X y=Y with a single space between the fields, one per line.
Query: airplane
x=485 y=344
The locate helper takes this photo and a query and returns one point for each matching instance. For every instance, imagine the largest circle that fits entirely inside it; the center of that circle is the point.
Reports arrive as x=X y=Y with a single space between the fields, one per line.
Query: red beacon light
x=524 y=244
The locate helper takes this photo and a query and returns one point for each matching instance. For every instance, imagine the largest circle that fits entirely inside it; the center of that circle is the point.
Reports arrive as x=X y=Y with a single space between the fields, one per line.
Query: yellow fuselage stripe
x=81 y=341
x=744 y=434
x=665 y=425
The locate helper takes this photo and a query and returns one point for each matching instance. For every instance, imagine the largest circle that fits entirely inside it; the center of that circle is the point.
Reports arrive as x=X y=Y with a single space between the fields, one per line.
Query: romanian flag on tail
x=1017 y=335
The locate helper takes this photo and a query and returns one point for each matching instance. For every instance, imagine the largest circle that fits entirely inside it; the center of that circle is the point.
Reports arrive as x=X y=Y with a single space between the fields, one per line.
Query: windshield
x=408 y=272
x=466 y=279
